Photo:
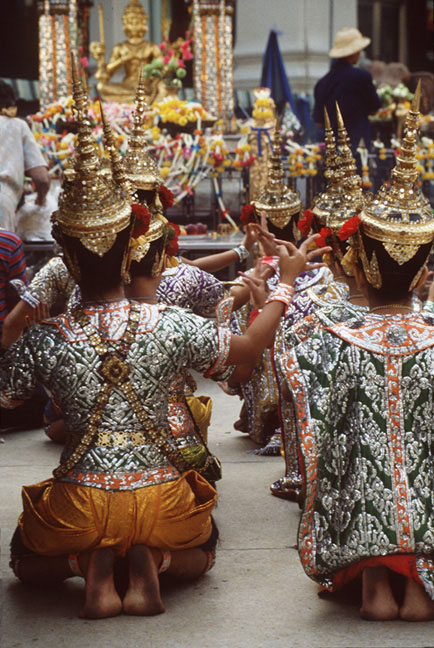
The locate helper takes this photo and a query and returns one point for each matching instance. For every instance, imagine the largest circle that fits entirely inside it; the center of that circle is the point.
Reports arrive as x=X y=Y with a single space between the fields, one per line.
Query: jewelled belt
x=110 y=439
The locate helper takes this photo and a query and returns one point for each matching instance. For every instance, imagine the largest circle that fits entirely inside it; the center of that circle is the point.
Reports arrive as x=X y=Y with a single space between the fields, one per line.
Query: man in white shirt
x=19 y=155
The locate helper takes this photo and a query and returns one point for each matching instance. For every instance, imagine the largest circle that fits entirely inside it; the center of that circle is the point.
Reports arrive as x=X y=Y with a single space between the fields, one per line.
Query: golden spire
x=405 y=174
x=91 y=208
x=277 y=200
x=332 y=160
x=118 y=168
x=141 y=167
x=400 y=216
x=350 y=177
x=86 y=152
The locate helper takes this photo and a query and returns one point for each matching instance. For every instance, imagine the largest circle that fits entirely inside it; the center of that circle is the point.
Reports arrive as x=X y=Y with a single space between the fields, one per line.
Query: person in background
x=348 y=85
x=19 y=155
x=13 y=266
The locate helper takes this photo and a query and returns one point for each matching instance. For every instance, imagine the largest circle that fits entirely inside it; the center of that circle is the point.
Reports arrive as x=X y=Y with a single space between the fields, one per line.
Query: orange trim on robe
x=404 y=564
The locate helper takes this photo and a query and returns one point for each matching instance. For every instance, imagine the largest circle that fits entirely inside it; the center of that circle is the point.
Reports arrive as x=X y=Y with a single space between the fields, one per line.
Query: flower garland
x=142 y=220
x=170 y=66
x=172 y=234
x=247 y=215
x=304 y=223
x=166 y=197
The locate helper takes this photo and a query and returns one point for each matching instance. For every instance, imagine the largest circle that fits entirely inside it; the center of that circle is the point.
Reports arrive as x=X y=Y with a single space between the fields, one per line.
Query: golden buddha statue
x=131 y=54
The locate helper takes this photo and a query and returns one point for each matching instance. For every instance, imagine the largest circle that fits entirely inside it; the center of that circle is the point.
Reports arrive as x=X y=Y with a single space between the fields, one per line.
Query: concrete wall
x=307 y=31
x=307 y=26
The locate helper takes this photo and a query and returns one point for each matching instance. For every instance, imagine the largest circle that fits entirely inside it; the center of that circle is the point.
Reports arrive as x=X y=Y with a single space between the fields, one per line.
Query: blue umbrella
x=274 y=75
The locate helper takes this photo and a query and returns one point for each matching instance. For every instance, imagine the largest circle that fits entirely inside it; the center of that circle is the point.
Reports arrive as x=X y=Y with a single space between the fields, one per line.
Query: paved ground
x=257 y=596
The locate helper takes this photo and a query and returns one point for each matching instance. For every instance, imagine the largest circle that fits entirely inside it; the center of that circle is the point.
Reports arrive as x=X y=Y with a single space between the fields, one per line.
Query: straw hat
x=348 y=40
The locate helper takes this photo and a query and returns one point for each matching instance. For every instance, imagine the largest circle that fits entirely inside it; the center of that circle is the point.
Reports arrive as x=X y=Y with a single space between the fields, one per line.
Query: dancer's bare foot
x=56 y=431
x=417 y=605
x=143 y=593
x=102 y=599
x=378 y=602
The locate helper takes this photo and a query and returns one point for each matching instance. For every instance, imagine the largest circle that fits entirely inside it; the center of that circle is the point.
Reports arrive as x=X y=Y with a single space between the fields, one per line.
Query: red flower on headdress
x=172 y=239
x=247 y=214
x=305 y=222
x=166 y=197
x=142 y=220
x=349 y=228
x=324 y=233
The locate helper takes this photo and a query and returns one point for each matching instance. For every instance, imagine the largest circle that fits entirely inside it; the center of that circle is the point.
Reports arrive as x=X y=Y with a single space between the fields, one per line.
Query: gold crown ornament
x=400 y=216
x=92 y=208
x=325 y=204
x=142 y=169
x=116 y=163
x=277 y=200
x=352 y=198
x=351 y=181
x=136 y=10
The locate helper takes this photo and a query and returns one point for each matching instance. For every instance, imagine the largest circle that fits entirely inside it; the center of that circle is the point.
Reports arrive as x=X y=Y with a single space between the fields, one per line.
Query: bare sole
x=143 y=594
x=102 y=600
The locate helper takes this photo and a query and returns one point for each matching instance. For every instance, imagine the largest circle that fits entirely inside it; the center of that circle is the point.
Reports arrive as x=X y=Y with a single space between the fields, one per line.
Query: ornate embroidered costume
x=260 y=392
x=363 y=393
x=190 y=287
x=322 y=301
x=57 y=354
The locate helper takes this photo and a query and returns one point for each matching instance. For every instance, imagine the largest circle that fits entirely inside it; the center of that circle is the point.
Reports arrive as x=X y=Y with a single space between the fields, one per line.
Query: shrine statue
x=131 y=54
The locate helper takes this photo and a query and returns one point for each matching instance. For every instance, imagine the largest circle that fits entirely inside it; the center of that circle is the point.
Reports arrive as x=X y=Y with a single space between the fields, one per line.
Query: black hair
x=396 y=279
x=98 y=274
x=7 y=95
x=146 y=196
x=143 y=268
x=285 y=233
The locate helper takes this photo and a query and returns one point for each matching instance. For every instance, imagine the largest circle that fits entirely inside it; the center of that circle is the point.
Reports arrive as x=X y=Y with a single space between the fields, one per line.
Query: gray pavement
x=257 y=595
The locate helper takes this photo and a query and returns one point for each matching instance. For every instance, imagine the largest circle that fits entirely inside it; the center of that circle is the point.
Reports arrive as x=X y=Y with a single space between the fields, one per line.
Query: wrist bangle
x=242 y=252
x=282 y=293
x=271 y=261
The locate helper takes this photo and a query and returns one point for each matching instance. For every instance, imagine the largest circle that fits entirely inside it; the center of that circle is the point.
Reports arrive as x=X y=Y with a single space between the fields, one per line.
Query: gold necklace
x=356 y=296
x=377 y=308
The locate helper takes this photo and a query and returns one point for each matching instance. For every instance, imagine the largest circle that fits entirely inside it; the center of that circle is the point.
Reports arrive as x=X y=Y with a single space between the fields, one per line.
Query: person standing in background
x=348 y=85
x=19 y=155
x=12 y=266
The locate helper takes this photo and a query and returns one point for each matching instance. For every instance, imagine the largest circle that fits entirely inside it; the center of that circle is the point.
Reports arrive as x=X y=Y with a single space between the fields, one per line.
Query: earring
x=125 y=266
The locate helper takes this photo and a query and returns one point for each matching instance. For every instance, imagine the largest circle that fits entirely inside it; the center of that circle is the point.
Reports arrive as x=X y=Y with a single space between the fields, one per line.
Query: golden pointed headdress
x=352 y=198
x=325 y=204
x=116 y=163
x=134 y=9
x=142 y=169
x=277 y=200
x=351 y=182
x=400 y=216
x=91 y=208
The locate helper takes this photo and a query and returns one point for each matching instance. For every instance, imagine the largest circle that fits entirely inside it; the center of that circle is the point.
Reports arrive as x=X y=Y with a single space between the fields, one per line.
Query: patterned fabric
x=12 y=266
x=190 y=287
x=49 y=283
x=19 y=152
x=260 y=392
x=429 y=306
x=363 y=391
x=185 y=286
x=58 y=355
x=331 y=300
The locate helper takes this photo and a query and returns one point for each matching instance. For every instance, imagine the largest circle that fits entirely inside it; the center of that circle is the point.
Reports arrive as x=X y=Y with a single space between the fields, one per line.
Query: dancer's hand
x=294 y=261
x=39 y=313
x=257 y=286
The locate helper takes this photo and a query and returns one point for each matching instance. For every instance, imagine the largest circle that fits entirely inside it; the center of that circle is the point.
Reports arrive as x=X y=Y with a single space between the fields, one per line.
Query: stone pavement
x=257 y=595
